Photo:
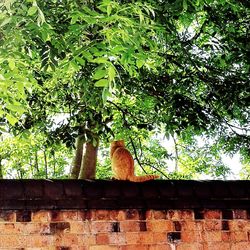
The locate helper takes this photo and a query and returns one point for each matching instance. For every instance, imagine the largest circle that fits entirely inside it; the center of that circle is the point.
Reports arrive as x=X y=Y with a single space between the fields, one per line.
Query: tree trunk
x=78 y=158
x=88 y=165
x=45 y=164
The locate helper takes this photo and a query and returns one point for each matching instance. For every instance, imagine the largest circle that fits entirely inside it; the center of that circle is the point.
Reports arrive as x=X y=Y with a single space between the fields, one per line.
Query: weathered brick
x=212 y=214
x=159 y=214
x=86 y=240
x=213 y=236
x=70 y=215
x=102 y=215
x=134 y=247
x=117 y=238
x=100 y=227
x=146 y=238
x=189 y=246
x=160 y=247
x=240 y=214
x=226 y=236
x=41 y=241
x=102 y=239
x=7 y=216
x=132 y=238
x=160 y=238
x=129 y=226
x=41 y=216
x=59 y=227
x=212 y=225
x=191 y=236
x=191 y=225
x=70 y=240
x=160 y=225
x=180 y=214
x=80 y=227
x=238 y=225
x=240 y=245
x=237 y=236
x=217 y=246
x=132 y=214
x=103 y=247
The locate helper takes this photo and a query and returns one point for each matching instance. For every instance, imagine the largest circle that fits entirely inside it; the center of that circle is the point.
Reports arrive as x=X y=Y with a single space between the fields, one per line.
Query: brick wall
x=112 y=215
x=129 y=229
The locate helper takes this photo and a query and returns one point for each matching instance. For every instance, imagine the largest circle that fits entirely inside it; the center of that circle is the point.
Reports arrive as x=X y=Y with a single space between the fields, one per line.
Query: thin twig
x=136 y=157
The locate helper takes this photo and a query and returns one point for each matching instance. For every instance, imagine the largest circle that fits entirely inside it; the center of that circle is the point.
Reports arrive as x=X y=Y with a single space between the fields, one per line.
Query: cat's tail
x=143 y=178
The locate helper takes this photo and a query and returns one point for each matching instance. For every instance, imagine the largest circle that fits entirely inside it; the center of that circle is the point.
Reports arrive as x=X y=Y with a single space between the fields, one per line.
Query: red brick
x=191 y=225
x=239 y=236
x=160 y=247
x=69 y=240
x=240 y=246
x=159 y=214
x=102 y=239
x=217 y=246
x=7 y=216
x=41 y=216
x=160 y=237
x=160 y=225
x=41 y=240
x=149 y=214
x=129 y=226
x=81 y=215
x=70 y=215
x=212 y=214
x=189 y=246
x=117 y=238
x=226 y=236
x=99 y=227
x=86 y=240
x=240 y=214
x=132 y=238
x=134 y=247
x=132 y=214
x=212 y=225
x=180 y=214
x=191 y=236
x=238 y=225
x=146 y=237
x=211 y=236
x=80 y=227
x=102 y=215
x=103 y=247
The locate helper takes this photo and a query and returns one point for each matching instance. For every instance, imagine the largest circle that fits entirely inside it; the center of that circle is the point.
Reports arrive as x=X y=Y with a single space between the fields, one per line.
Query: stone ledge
x=107 y=194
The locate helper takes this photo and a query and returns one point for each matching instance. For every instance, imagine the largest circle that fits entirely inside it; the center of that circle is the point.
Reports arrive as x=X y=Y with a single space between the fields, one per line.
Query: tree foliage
x=93 y=71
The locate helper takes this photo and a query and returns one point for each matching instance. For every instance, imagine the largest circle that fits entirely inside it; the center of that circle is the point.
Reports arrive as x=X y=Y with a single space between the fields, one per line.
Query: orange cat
x=123 y=164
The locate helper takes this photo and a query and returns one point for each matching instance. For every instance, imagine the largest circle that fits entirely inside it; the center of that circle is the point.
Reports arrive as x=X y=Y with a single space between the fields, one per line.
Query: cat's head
x=119 y=143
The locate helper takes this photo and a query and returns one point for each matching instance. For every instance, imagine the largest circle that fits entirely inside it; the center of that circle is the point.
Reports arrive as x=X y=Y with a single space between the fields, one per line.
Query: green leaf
x=111 y=72
x=99 y=73
x=185 y=6
x=80 y=60
x=5 y=21
x=140 y=63
x=41 y=17
x=12 y=64
x=32 y=10
x=15 y=108
x=109 y=9
x=11 y=119
x=100 y=60
x=102 y=83
x=87 y=55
